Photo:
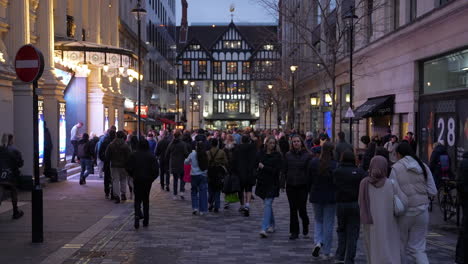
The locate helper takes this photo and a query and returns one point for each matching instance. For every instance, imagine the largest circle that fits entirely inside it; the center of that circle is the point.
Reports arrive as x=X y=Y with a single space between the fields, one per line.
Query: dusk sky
x=212 y=11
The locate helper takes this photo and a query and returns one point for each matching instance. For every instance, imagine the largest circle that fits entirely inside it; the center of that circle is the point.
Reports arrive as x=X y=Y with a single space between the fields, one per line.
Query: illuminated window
x=268 y=47
x=230 y=44
x=232 y=67
x=194 y=47
x=217 y=67
x=201 y=66
x=246 y=67
x=186 y=67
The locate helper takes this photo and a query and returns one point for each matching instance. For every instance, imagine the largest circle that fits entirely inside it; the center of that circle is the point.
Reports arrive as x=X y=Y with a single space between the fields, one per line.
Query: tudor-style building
x=223 y=75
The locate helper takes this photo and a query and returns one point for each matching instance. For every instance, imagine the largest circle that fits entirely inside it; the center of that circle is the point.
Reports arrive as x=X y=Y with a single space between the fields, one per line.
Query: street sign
x=349 y=113
x=29 y=64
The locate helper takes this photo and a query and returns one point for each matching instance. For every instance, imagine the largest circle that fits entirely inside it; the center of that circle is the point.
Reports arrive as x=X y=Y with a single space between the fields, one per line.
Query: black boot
x=17 y=214
x=137 y=222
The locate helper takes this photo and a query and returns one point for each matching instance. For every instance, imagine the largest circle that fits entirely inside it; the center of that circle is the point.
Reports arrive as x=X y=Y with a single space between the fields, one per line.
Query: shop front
x=443 y=116
x=378 y=114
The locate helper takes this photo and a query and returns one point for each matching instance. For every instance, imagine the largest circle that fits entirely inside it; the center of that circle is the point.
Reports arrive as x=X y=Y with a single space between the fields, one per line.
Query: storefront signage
x=446 y=131
x=62 y=131
x=144 y=111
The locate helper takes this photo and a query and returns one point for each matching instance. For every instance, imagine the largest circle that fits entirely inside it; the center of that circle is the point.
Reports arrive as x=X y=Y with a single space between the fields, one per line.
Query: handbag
x=398 y=206
x=187 y=171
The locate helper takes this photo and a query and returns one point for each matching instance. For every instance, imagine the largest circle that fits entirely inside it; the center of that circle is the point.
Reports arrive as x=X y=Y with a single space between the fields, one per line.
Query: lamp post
x=270 y=87
x=191 y=99
x=293 y=69
x=349 y=18
x=139 y=13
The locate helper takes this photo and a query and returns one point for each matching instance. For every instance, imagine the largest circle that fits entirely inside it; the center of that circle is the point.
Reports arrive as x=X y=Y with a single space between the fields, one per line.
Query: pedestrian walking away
x=118 y=153
x=86 y=157
x=268 y=182
x=143 y=168
x=296 y=180
x=347 y=178
x=177 y=151
x=322 y=196
x=198 y=160
x=217 y=170
x=161 y=149
x=415 y=179
x=75 y=137
x=376 y=206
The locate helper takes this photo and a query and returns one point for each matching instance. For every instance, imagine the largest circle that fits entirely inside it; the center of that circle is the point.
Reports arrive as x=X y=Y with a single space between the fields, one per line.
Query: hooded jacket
x=243 y=163
x=295 y=168
x=410 y=177
x=117 y=153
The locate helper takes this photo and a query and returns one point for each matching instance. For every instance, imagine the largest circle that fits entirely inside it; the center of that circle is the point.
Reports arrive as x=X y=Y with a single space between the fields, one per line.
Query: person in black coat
x=462 y=187
x=143 y=167
x=435 y=164
x=295 y=177
x=161 y=149
x=243 y=167
x=48 y=147
x=347 y=178
x=268 y=183
x=106 y=140
x=322 y=197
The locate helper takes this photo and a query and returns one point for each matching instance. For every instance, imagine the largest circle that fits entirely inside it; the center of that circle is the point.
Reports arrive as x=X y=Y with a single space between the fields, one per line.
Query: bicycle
x=448 y=200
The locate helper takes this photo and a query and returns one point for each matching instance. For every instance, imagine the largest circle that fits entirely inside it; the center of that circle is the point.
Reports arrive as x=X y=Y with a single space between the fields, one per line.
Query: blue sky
x=212 y=11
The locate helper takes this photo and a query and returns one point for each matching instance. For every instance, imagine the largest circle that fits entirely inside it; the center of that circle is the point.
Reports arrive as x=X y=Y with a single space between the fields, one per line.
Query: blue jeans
x=199 y=193
x=324 y=215
x=214 y=198
x=86 y=168
x=268 y=217
x=178 y=177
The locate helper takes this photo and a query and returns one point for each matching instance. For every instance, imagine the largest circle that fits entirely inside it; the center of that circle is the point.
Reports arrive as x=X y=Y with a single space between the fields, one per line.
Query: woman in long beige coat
x=381 y=233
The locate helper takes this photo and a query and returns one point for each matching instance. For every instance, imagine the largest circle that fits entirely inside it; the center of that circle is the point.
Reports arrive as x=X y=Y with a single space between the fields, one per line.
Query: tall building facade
x=224 y=72
x=90 y=54
x=410 y=65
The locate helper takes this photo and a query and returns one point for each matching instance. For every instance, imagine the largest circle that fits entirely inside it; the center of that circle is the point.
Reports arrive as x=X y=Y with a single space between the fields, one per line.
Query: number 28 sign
x=446 y=130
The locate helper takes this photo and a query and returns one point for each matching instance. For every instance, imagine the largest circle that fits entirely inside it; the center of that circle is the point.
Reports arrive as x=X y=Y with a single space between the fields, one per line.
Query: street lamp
x=192 y=101
x=270 y=86
x=349 y=20
x=139 y=13
x=293 y=69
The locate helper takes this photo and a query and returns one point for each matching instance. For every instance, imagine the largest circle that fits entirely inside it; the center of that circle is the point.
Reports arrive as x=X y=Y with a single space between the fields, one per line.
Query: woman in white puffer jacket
x=416 y=181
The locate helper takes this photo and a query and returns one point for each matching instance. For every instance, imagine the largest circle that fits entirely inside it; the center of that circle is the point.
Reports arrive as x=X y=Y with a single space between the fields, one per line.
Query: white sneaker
x=263 y=234
x=270 y=229
x=175 y=198
x=201 y=213
x=327 y=256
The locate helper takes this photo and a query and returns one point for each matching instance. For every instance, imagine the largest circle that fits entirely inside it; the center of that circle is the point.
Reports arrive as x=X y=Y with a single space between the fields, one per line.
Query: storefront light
x=313 y=101
x=130 y=78
x=348 y=98
x=328 y=98
x=105 y=68
x=121 y=70
x=117 y=79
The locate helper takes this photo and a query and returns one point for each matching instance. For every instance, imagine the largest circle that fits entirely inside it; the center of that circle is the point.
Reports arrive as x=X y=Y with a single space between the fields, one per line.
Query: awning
x=378 y=106
x=166 y=121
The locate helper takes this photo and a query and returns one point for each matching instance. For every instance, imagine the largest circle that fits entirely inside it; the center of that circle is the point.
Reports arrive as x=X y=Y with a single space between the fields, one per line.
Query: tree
x=315 y=37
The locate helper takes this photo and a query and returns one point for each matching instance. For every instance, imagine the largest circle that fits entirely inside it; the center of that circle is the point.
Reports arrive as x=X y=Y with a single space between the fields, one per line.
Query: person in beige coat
x=417 y=183
x=381 y=233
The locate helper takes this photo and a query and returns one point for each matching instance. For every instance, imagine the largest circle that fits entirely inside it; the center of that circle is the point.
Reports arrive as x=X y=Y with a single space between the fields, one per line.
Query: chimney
x=184 y=23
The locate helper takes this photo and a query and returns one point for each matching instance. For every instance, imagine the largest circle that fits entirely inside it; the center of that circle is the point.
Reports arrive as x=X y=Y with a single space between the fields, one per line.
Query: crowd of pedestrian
x=385 y=190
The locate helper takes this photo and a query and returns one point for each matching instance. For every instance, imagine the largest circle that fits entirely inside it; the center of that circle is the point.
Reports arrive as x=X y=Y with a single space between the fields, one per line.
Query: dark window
x=217 y=67
x=186 y=67
x=246 y=67
x=370 y=23
x=232 y=67
x=201 y=66
x=413 y=10
x=220 y=87
x=396 y=13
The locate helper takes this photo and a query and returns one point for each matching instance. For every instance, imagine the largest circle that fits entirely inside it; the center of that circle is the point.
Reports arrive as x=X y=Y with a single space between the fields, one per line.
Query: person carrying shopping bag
x=199 y=178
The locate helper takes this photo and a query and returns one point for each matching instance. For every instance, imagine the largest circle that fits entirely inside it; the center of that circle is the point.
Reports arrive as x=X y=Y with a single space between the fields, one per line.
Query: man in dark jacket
x=85 y=155
x=118 y=153
x=462 y=184
x=161 y=149
x=101 y=150
x=143 y=167
x=177 y=151
x=342 y=146
x=9 y=172
x=439 y=163
x=347 y=178
x=243 y=167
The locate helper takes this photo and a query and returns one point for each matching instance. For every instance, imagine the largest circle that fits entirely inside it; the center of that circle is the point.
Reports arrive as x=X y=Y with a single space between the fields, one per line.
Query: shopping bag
x=187 y=171
x=232 y=198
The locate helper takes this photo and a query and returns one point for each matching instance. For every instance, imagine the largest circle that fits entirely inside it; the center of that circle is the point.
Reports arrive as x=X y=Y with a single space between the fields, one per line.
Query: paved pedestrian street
x=98 y=231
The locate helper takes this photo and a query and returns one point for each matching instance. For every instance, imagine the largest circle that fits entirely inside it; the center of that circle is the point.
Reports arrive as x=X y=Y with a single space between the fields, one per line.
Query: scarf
x=378 y=171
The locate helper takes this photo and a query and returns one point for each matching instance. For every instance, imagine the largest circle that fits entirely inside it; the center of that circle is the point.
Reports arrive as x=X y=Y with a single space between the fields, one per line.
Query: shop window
x=446 y=73
x=232 y=67
x=246 y=67
x=194 y=47
x=217 y=67
x=232 y=44
x=201 y=66
x=186 y=67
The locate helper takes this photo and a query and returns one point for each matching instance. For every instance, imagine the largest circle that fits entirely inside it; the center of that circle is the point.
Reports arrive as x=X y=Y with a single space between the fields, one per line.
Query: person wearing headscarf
x=381 y=233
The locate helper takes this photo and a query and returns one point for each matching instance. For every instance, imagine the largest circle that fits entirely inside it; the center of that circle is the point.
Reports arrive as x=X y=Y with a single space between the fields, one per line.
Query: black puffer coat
x=296 y=167
x=347 y=178
x=323 y=189
x=243 y=163
x=143 y=166
x=268 y=181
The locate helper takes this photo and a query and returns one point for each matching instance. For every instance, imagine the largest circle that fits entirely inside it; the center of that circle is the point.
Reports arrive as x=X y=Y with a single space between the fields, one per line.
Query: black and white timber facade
x=227 y=66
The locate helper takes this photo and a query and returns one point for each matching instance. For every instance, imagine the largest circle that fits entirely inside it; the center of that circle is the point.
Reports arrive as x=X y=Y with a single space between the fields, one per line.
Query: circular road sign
x=29 y=64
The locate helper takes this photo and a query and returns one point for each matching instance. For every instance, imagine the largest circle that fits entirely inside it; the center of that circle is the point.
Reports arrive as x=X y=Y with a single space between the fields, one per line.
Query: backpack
x=6 y=171
x=82 y=149
x=216 y=173
x=444 y=163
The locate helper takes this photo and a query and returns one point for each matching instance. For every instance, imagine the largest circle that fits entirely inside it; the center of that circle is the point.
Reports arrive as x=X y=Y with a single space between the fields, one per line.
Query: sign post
x=29 y=66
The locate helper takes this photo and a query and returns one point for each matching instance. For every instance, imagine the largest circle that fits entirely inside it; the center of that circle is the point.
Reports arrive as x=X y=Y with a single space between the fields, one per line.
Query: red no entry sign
x=29 y=64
